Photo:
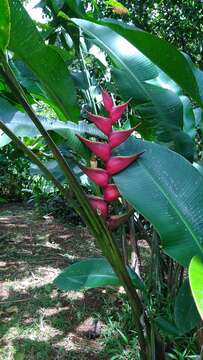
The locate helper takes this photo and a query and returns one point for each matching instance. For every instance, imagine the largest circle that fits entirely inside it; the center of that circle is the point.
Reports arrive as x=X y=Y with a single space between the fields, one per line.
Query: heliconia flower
x=117 y=112
x=100 y=149
x=111 y=193
x=99 y=205
x=103 y=123
x=118 y=137
x=99 y=176
x=107 y=101
x=118 y=163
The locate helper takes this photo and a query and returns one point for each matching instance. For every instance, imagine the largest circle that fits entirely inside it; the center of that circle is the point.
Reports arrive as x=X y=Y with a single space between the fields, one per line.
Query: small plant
x=14 y=175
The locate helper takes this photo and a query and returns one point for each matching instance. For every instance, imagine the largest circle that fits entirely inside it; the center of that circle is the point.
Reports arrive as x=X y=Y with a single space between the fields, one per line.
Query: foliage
x=92 y=273
x=179 y=23
x=162 y=186
x=14 y=175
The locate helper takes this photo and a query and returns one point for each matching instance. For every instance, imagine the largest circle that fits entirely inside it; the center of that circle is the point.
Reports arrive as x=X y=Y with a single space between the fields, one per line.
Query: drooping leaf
x=76 y=7
x=4 y=24
x=55 y=169
x=122 y=52
x=22 y=126
x=160 y=108
x=198 y=74
x=155 y=106
x=186 y=314
x=196 y=282
x=198 y=113
x=167 y=190
x=44 y=61
x=189 y=125
x=167 y=326
x=91 y=273
x=164 y=55
x=184 y=145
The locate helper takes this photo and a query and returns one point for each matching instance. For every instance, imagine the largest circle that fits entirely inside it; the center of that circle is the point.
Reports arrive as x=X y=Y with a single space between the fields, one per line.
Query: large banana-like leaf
x=155 y=109
x=161 y=109
x=4 y=24
x=54 y=168
x=166 y=82
x=186 y=314
x=164 y=55
x=92 y=273
x=22 y=126
x=196 y=282
x=44 y=61
x=198 y=74
x=167 y=190
x=123 y=53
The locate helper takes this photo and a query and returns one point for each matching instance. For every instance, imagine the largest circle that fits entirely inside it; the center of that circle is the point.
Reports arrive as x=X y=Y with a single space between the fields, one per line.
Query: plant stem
x=88 y=79
x=93 y=221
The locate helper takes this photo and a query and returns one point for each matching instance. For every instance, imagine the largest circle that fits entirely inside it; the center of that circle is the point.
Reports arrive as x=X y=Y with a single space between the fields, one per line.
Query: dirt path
x=38 y=321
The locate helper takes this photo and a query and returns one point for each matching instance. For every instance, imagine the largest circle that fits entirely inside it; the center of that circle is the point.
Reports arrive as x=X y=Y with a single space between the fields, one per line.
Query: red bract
x=111 y=193
x=99 y=205
x=118 y=137
x=113 y=165
x=103 y=123
x=118 y=163
x=102 y=150
x=99 y=176
x=117 y=112
x=107 y=101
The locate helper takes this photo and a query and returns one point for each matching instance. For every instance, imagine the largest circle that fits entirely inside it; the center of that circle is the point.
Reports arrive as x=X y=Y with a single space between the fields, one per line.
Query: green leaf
x=91 y=273
x=186 y=314
x=122 y=52
x=160 y=109
x=4 y=24
x=171 y=61
x=167 y=190
x=196 y=282
x=198 y=112
x=77 y=7
x=44 y=61
x=198 y=74
x=188 y=117
x=199 y=166
x=167 y=326
x=161 y=114
x=22 y=126
x=54 y=168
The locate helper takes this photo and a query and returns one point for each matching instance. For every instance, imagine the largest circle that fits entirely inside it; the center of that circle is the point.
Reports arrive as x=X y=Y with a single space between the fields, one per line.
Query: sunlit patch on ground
x=38 y=322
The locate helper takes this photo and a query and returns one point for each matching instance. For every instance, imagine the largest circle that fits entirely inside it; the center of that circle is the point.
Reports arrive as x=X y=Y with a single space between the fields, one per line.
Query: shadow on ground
x=37 y=320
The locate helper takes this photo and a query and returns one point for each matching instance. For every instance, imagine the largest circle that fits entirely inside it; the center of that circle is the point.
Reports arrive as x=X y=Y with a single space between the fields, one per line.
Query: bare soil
x=37 y=320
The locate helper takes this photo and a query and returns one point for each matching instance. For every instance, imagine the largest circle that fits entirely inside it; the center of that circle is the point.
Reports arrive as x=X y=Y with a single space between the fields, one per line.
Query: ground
x=37 y=320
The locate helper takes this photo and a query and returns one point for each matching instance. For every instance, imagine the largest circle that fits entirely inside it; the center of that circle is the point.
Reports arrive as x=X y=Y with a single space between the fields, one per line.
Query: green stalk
x=93 y=221
x=88 y=80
